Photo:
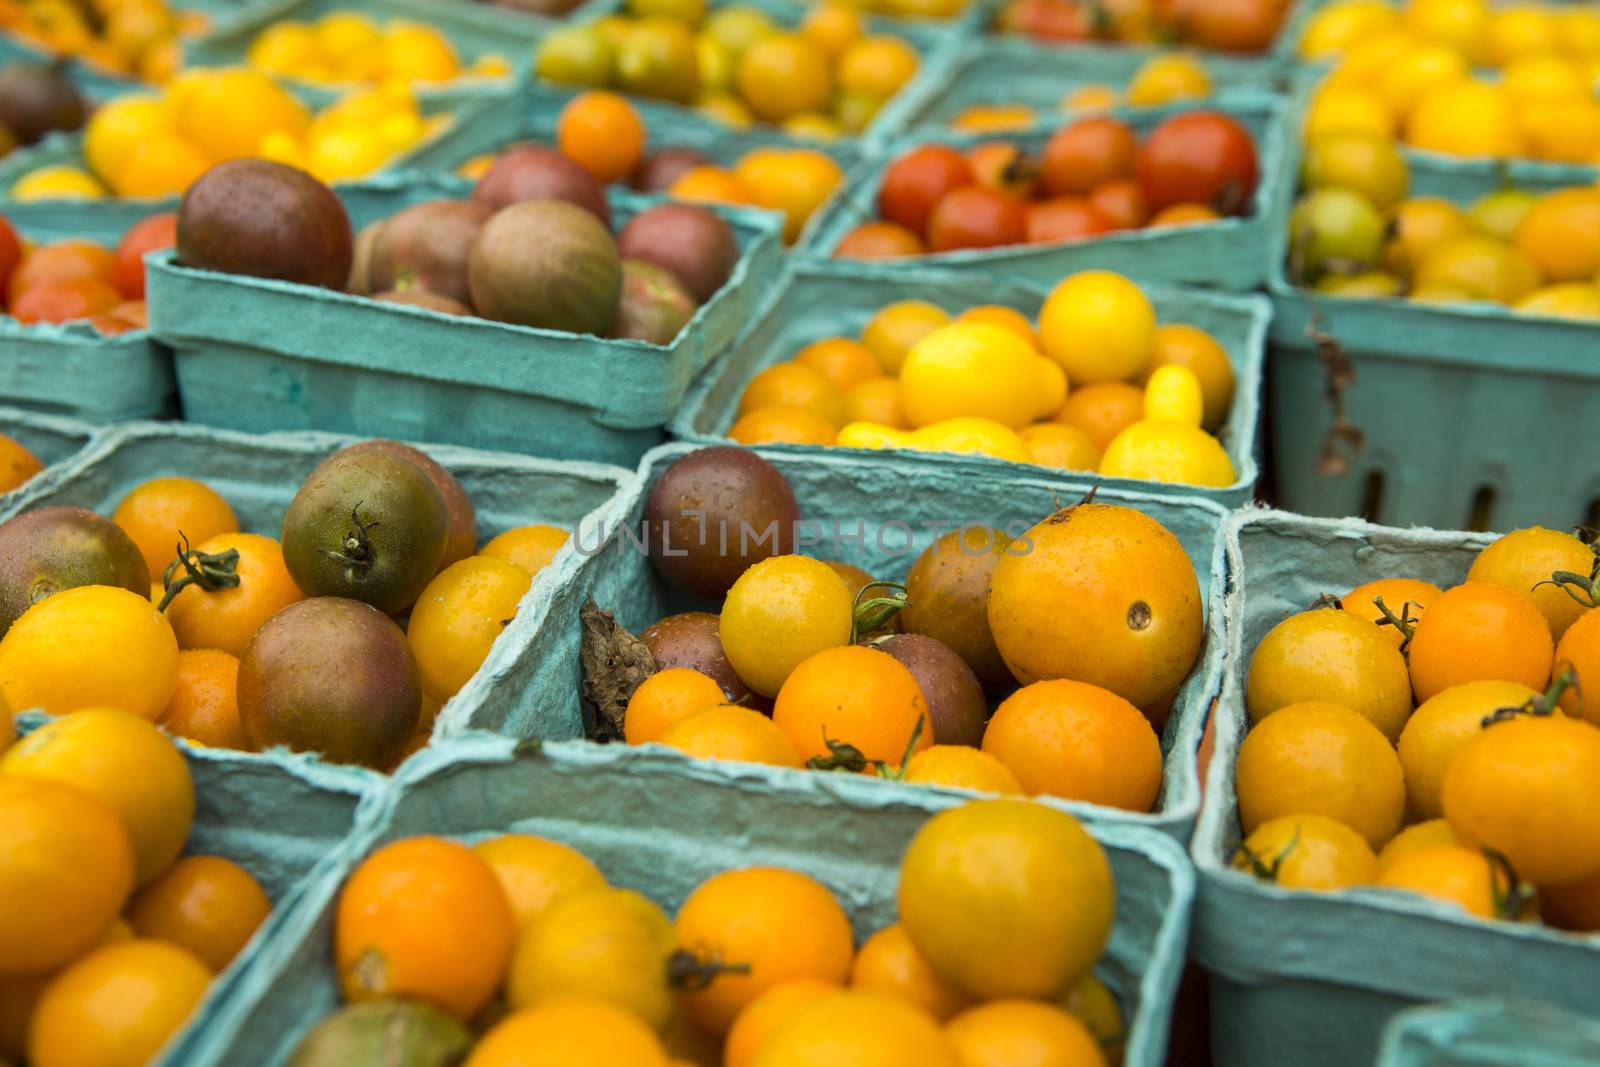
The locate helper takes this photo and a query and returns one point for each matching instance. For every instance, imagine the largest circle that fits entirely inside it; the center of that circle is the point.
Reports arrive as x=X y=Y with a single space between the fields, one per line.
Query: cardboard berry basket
x=1230 y=253
x=662 y=832
x=1005 y=68
x=1483 y=1033
x=73 y=370
x=259 y=474
x=937 y=44
x=896 y=509
x=106 y=219
x=530 y=113
x=1467 y=411
x=837 y=299
x=259 y=354
x=1312 y=978
x=281 y=818
x=50 y=438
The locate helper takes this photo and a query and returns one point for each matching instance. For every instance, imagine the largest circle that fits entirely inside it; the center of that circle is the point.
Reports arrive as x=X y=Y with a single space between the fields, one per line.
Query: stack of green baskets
x=259 y=354
x=819 y=300
x=662 y=832
x=259 y=474
x=1311 y=979
x=1469 y=411
x=896 y=510
x=1230 y=253
x=283 y=819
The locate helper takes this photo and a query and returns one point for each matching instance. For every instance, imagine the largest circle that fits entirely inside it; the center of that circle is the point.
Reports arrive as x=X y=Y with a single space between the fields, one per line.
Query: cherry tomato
x=1065 y=218
x=1233 y=25
x=975 y=217
x=10 y=249
x=147 y=235
x=65 y=301
x=1049 y=20
x=1002 y=165
x=1087 y=153
x=1121 y=202
x=879 y=240
x=1199 y=157
x=917 y=181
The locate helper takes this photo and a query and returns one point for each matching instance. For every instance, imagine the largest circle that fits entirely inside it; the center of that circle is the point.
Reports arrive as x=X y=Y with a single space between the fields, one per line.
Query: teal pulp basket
x=1231 y=253
x=530 y=114
x=1489 y=1033
x=259 y=474
x=107 y=219
x=819 y=300
x=1468 y=411
x=73 y=370
x=1311 y=979
x=662 y=833
x=259 y=354
x=895 y=510
x=1002 y=69
x=281 y=819
x=936 y=42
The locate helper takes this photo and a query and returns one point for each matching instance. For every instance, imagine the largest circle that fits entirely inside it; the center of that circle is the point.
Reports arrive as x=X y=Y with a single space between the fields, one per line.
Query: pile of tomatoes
x=518 y=943
x=820 y=665
x=1094 y=176
x=81 y=281
x=241 y=640
x=1136 y=401
x=108 y=937
x=1227 y=25
x=1436 y=742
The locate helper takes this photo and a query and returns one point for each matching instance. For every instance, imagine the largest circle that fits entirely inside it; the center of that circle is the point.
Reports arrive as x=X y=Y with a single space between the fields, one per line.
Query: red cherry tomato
x=1199 y=157
x=1233 y=25
x=1121 y=203
x=65 y=301
x=976 y=217
x=1049 y=20
x=879 y=240
x=147 y=235
x=917 y=181
x=1065 y=218
x=10 y=248
x=1002 y=165
x=1087 y=153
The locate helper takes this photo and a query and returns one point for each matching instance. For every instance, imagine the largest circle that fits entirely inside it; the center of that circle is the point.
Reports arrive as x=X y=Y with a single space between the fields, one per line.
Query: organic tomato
x=1065 y=218
x=10 y=249
x=149 y=235
x=916 y=182
x=1002 y=165
x=975 y=217
x=1199 y=157
x=1233 y=25
x=1087 y=153
x=60 y=262
x=1050 y=20
x=1121 y=202
x=879 y=240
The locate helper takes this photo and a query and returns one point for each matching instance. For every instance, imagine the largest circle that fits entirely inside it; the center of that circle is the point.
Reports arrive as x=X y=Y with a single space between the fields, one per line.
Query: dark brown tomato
x=331 y=676
x=957 y=710
x=690 y=639
x=461 y=540
x=50 y=549
x=715 y=512
x=948 y=587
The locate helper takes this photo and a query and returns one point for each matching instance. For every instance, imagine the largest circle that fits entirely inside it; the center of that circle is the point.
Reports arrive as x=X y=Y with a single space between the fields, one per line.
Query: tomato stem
x=688 y=971
x=1403 y=622
x=1513 y=897
x=1259 y=867
x=210 y=571
x=355 y=551
x=1543 y=704
x=874 y=613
